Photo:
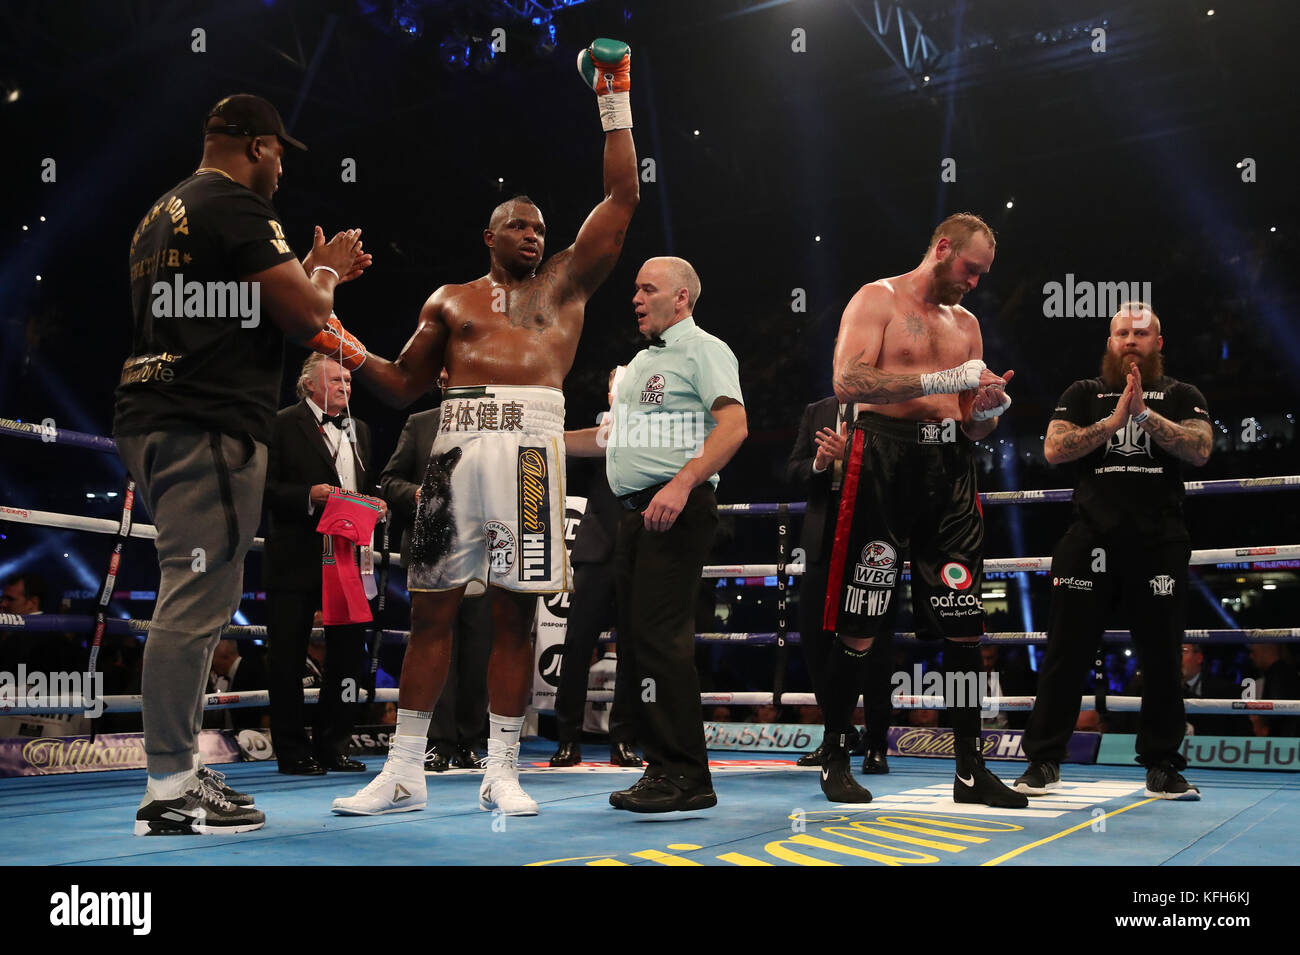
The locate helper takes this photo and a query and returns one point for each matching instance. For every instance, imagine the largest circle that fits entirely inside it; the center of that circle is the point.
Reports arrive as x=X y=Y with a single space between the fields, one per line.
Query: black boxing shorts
x=909 y=493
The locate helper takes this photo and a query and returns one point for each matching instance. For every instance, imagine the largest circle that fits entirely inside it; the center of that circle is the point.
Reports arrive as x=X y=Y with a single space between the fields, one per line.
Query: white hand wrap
x=615 y=111
x=950 y=381
x=984 y=415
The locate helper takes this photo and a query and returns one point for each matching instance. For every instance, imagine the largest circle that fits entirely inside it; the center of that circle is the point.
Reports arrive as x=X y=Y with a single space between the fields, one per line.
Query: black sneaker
x=1165 y=782
x=217 y=781
x=837 y=779
x=1038 y=778
x=198 y=811
x=973 y=783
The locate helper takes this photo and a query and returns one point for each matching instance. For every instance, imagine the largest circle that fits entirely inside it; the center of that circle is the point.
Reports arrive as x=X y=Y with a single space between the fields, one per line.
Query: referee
x=682 y=390
x=193 y=416
x=1127 y=545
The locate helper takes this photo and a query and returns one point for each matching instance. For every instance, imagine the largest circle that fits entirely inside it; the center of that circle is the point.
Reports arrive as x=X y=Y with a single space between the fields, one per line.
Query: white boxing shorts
x=491 y=509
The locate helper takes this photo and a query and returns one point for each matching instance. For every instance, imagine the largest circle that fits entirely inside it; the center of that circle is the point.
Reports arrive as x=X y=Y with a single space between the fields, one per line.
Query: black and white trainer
x=1165 y=782
x=200 y=810
x=1038 y=778
x=217 y=780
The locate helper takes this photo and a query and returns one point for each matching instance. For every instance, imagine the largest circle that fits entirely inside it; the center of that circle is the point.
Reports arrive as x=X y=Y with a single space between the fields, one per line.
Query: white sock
x=169 y=786
x=408 y=750
x=503 y=733
x=414 y=723
x=198 y=762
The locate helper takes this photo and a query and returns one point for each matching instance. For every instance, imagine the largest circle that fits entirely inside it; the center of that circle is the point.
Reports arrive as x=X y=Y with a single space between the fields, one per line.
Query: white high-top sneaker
x=500 y=789
x=399 y=787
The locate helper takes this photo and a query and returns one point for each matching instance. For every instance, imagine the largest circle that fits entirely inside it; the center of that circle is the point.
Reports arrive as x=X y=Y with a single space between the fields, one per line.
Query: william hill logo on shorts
x=653 y=392
x=534 y=500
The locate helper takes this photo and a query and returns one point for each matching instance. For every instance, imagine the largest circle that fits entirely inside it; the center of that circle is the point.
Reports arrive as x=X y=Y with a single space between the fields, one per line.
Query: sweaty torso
x=522 y=334
x=919 y=338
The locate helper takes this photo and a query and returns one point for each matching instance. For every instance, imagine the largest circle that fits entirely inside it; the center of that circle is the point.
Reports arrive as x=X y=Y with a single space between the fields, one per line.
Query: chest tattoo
x=533 y=306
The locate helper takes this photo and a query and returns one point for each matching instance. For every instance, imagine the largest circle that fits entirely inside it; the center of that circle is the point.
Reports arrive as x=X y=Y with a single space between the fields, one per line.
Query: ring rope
x=16 y=706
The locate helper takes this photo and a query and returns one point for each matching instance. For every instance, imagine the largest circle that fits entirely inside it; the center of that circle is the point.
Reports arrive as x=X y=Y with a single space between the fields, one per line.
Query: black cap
x=248 y=115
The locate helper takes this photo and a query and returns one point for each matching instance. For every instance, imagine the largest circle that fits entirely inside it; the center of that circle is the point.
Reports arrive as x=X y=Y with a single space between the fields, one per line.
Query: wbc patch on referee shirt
x=534 y=510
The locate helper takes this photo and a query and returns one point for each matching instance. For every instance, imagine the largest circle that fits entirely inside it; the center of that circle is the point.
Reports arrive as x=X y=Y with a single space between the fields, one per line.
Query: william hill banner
x=924 y=741
x=48 y=755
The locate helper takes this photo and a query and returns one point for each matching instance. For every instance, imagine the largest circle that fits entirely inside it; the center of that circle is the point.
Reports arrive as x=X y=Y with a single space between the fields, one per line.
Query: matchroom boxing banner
x=552 y=621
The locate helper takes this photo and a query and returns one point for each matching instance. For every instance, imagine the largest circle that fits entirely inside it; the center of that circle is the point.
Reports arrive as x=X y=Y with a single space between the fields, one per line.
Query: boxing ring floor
x=1100 y=817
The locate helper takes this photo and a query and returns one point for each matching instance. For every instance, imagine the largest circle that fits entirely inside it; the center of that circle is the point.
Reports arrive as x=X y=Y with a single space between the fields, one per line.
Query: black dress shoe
x=567 y=754
x=621 y=754
x=307 y=766
x=465 y=757
x=616 y=799
x=874 y=763
x=837 y=779
x=816 y=758
x=667 y=795
x=342 y=764
x=436 y=761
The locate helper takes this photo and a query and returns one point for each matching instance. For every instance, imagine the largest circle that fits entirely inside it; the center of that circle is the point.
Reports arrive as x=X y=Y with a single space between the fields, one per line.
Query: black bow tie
x=656 y=342
x=336 y=420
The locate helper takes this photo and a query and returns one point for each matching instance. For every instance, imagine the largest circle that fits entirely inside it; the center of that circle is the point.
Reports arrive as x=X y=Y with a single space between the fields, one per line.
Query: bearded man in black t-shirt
x=214 y=290
x=1130 y=430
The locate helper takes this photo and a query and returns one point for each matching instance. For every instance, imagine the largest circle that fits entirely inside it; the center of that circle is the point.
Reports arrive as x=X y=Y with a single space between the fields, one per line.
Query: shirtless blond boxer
x=909 y=352
x=491 y=505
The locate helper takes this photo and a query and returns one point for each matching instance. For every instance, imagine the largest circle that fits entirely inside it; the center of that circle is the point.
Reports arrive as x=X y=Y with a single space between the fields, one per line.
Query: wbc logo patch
x=878 y=567
x=653 y=392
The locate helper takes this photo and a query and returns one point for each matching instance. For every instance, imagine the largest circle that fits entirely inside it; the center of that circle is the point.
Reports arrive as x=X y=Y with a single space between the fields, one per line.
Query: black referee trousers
x=1148 y=581
x=657 y=580
x=591 y=611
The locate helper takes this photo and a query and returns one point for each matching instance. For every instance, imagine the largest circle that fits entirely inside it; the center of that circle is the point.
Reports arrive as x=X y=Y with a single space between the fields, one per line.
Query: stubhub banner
x=1214 y=752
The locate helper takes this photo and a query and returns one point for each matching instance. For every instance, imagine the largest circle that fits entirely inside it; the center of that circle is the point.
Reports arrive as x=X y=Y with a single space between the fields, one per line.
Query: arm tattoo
x=1073 y=442
x=1190 y=440
x=863 y=382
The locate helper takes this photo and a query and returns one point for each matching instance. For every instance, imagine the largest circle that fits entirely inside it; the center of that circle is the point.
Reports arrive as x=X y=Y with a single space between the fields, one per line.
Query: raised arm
x=416 y=369
x=606 y=66
x=600 y=240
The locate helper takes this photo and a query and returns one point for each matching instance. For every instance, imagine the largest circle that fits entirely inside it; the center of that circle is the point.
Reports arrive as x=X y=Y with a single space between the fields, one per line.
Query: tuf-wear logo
x=653 y=392
x=534 y=501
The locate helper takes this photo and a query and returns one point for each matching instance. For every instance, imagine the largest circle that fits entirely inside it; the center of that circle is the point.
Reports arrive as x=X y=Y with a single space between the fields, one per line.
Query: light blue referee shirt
x=661 y=412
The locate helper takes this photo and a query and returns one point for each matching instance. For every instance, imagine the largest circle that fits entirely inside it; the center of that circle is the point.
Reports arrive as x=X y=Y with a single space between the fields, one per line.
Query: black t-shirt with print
x=203 y=355
x=1130 y=486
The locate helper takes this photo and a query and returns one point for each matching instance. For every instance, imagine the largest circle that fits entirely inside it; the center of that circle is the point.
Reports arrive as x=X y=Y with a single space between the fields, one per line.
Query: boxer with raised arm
x=491 y=506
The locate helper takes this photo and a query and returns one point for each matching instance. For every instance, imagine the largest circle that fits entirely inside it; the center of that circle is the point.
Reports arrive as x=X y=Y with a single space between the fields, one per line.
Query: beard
x=942 y=287
x=1114 y=368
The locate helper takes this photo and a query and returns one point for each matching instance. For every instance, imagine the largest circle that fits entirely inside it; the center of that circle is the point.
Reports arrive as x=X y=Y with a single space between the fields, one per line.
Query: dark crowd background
x=788 y=177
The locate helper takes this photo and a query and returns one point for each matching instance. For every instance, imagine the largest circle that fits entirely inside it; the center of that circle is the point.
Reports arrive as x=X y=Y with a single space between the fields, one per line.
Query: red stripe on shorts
x=843 y=526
